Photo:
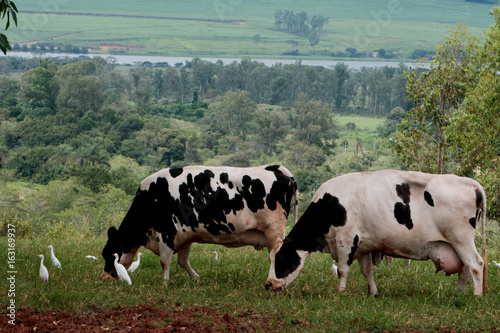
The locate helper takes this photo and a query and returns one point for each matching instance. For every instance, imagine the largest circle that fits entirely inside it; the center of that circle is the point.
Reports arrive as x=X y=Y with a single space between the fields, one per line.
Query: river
x=136 y=59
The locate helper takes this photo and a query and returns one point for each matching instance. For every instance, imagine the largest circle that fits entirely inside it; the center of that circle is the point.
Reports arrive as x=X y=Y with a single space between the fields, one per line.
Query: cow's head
x=286 y=264
x=112 y=246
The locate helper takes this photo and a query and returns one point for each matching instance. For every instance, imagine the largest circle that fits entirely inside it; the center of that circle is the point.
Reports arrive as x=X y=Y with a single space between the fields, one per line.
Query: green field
x=226 y=28
x=415 y=298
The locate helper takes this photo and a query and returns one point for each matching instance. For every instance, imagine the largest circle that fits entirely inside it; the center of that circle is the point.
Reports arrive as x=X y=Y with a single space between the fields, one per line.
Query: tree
x=313 y=38
x=37 y=89
x=421 y=141
x=314 y=123
x=234 y=114
x=303 y=156
x=9 y=9
x=272 y=126
x=392 y=121
x=474 y=130
x=341 y=75
x=79 y=88
x=257 y=39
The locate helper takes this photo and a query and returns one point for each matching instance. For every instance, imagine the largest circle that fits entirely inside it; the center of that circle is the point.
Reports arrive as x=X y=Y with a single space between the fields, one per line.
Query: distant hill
x=237 y=29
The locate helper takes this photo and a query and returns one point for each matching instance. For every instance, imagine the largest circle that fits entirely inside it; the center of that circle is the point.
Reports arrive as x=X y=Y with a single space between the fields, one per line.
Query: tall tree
x=234 y=114
x=421 y=140
x=474 y=130
x=37 y=89
x=314 y=123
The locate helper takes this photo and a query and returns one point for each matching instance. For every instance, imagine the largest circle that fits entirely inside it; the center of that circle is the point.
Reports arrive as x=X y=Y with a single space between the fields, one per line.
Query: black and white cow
x=220 y=205
x=402 y=214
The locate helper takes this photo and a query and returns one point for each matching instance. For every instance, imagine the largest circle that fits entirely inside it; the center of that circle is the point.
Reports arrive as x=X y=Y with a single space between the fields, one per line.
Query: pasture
x=226 y=28
x=230 y=294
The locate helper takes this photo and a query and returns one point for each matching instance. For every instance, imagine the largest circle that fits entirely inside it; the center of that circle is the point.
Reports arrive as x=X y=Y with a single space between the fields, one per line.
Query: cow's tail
x=296 y=204
x=483 y=246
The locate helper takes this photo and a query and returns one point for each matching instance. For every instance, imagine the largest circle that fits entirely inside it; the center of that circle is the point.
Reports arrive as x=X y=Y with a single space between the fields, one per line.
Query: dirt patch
x=143 y=318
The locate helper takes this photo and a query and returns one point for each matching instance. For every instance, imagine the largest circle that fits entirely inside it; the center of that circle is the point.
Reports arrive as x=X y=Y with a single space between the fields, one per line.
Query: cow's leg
x=473 y=264
x=463 y=276
x=166 y=254
x=166 y=261
x=274 y=231
x=342 y=271
x=365 y=264
x=183 y=261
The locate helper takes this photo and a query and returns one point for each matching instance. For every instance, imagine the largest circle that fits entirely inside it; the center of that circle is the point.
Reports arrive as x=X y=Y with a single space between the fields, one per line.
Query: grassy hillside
x=226 y=28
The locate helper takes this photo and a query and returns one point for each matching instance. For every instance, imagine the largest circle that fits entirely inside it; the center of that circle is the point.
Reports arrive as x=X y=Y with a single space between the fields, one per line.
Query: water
x=136 y=59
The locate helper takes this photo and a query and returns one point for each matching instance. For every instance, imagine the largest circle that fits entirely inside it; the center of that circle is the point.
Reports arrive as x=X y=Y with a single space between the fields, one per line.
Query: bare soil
x=147 y=318
x=143 y=318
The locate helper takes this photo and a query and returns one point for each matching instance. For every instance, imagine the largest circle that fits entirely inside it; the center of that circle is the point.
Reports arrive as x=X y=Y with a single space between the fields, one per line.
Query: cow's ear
x=112 y=232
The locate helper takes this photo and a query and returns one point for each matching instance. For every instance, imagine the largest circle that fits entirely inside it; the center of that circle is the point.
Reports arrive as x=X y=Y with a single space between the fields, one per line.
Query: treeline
x=298 y=23
x=50 y=47
x=367 y=92
x=71 y=117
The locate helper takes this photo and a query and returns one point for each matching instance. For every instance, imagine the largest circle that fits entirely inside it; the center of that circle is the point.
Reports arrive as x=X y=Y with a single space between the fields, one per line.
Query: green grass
x=415 y=299
x=405 y=27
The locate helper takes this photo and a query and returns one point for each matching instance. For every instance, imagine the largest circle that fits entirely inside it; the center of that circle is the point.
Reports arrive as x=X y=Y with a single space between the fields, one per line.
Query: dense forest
x=88 y=122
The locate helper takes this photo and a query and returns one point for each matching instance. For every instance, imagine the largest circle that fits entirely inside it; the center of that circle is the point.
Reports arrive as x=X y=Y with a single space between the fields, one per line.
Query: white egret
x=121 y=271
x=55 y=261
x=496 y=264
x=44 y=273
x=91 y=257
x=216 y=255
x=334 y=269
x=135 y=264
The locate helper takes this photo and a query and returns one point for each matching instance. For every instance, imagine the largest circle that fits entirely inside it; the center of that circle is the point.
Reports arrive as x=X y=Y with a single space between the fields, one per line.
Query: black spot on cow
x=287 y=260
x=403 y=191
x=254 y=193
x=309 y=232
x=175 y=172
x=354 y=248
x=428 y=198
x=230 y=184
x=112 y=246
x=479 y=199
x=402 y=211
x=224 y=178
x=281 y=192
x=472 y=222
x=200 y=204
x=273 y=168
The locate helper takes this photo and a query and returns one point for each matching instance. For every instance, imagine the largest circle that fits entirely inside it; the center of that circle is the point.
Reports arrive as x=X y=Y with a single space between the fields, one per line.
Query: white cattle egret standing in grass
x=334 y=269
x=135 y=264
x=496 y=264
x=44 y=273
x=121 y=271
x=91 y=257
x=216 y=255
x=55 y=261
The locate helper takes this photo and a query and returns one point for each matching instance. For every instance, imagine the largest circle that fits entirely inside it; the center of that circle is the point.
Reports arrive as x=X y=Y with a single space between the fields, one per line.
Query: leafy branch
x=7 y=9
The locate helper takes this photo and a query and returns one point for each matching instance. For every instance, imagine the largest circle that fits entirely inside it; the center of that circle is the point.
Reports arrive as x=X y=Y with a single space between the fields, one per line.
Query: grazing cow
x=220 y=205
x=402 y=214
